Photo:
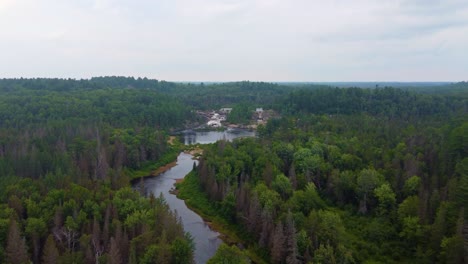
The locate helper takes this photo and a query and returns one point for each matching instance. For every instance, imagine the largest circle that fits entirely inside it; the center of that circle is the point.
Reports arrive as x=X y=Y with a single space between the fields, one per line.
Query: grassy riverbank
x=189 y=190
x=153 y=168
x=165 y=162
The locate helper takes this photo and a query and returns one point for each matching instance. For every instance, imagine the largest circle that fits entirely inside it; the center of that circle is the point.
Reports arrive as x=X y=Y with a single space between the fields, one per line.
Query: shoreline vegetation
x=227 y=232
x=188 y=190
x=168 y=161
x=154 y=169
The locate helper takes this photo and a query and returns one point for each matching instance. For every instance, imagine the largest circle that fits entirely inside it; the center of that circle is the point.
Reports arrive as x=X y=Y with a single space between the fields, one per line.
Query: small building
x=259 y=112
x=225 y=110
x=214 y=123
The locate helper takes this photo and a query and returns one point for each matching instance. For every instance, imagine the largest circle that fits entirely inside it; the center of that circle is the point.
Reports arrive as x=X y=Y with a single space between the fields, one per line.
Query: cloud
x=296 y=40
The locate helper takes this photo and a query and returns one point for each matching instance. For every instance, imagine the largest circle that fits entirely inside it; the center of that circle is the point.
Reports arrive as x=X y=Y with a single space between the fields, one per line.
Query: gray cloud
x=271 y=40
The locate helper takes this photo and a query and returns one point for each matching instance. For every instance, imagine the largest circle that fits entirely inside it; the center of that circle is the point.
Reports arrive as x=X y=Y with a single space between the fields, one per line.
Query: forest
x=347 y=176
x=68 y=151
x=343 y=175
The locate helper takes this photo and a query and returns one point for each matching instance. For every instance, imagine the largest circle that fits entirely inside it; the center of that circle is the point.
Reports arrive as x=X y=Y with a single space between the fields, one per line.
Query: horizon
x=233 y=81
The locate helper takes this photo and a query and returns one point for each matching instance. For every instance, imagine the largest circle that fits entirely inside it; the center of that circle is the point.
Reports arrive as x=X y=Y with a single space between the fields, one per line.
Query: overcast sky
x=230 y=40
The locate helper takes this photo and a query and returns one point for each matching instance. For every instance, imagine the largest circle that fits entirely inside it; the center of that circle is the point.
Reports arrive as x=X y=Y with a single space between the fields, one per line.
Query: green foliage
x=240 y=114
x=182 y=251
x=325 y=254
x=352 y=161
x=409 y=207
x=35 y=227
x=4 y=225
x=303 y=242
x=380 y=230
x=306 y=161
x=269 y=199
x=368 y=180
x=458 y=142
x=306 y=200
x=386 y=197
x=150 y=255
x=462 y=186
x=68 y=149
x=411 y=230
x=119 y=107
x=387 y=101
x=229 y=255
x=189 y=190
x=412 y=185
x=70 y=212
x=327 y=227
x=283 y=186
x=452 y=250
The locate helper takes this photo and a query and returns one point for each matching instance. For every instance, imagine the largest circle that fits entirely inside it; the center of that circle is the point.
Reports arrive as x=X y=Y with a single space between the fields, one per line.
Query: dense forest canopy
x=349 y=175
x=67 y=152
x=344 y=175
x=385 y=102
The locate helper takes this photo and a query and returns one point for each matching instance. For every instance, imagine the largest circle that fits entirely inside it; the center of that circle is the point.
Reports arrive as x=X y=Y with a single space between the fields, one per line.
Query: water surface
x=206 y=240
x=206 y=137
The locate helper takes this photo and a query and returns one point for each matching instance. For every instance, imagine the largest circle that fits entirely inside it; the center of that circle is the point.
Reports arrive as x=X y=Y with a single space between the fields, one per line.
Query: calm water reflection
x=206 y=137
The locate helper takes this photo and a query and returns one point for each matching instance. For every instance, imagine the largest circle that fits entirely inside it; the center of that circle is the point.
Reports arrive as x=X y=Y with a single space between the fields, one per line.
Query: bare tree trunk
x=363 y=205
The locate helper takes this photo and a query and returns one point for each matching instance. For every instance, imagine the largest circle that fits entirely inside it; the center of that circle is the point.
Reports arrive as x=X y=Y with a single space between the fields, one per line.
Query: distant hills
x=372 y=84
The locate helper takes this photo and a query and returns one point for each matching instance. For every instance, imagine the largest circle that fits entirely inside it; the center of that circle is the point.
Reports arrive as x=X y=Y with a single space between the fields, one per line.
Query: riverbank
x=209 y=230
x=167 y=161
x=196 y=151
x=188 y=189
x=205 y=239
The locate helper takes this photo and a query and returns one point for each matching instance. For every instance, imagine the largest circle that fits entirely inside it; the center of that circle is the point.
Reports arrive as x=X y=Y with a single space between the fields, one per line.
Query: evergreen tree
x=291 y=241
x=16 y=251
x=50 y=253
x=114 y=253
x=278 y=244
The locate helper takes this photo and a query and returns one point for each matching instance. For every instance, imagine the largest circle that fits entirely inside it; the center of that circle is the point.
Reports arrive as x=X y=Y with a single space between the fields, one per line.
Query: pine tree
x=293 y=177
x=89 y=255
x=50 y=253
x=114 y=253
x=96 y=240
x=254 y=217
x=132 y=259
x=291 y=243
x=124 y=247
x=267 y=228
x=16 y=250
x=278 y=243
x=105 y=229
x=35 y=229
x=268 y=174
x=164 y=250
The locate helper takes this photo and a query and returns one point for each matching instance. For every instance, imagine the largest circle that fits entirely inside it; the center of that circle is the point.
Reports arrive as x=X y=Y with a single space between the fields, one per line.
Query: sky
x=234 y=40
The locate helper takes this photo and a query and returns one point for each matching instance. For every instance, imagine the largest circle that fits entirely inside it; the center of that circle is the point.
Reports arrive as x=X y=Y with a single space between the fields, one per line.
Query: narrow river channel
x=206 y=240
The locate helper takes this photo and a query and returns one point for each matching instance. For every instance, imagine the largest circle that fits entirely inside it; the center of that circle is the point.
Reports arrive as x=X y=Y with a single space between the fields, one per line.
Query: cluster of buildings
x=215 y=118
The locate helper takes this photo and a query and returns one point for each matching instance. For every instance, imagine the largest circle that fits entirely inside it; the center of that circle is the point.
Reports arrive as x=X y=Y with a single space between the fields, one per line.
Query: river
x=206 y=240
x=206 y=137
